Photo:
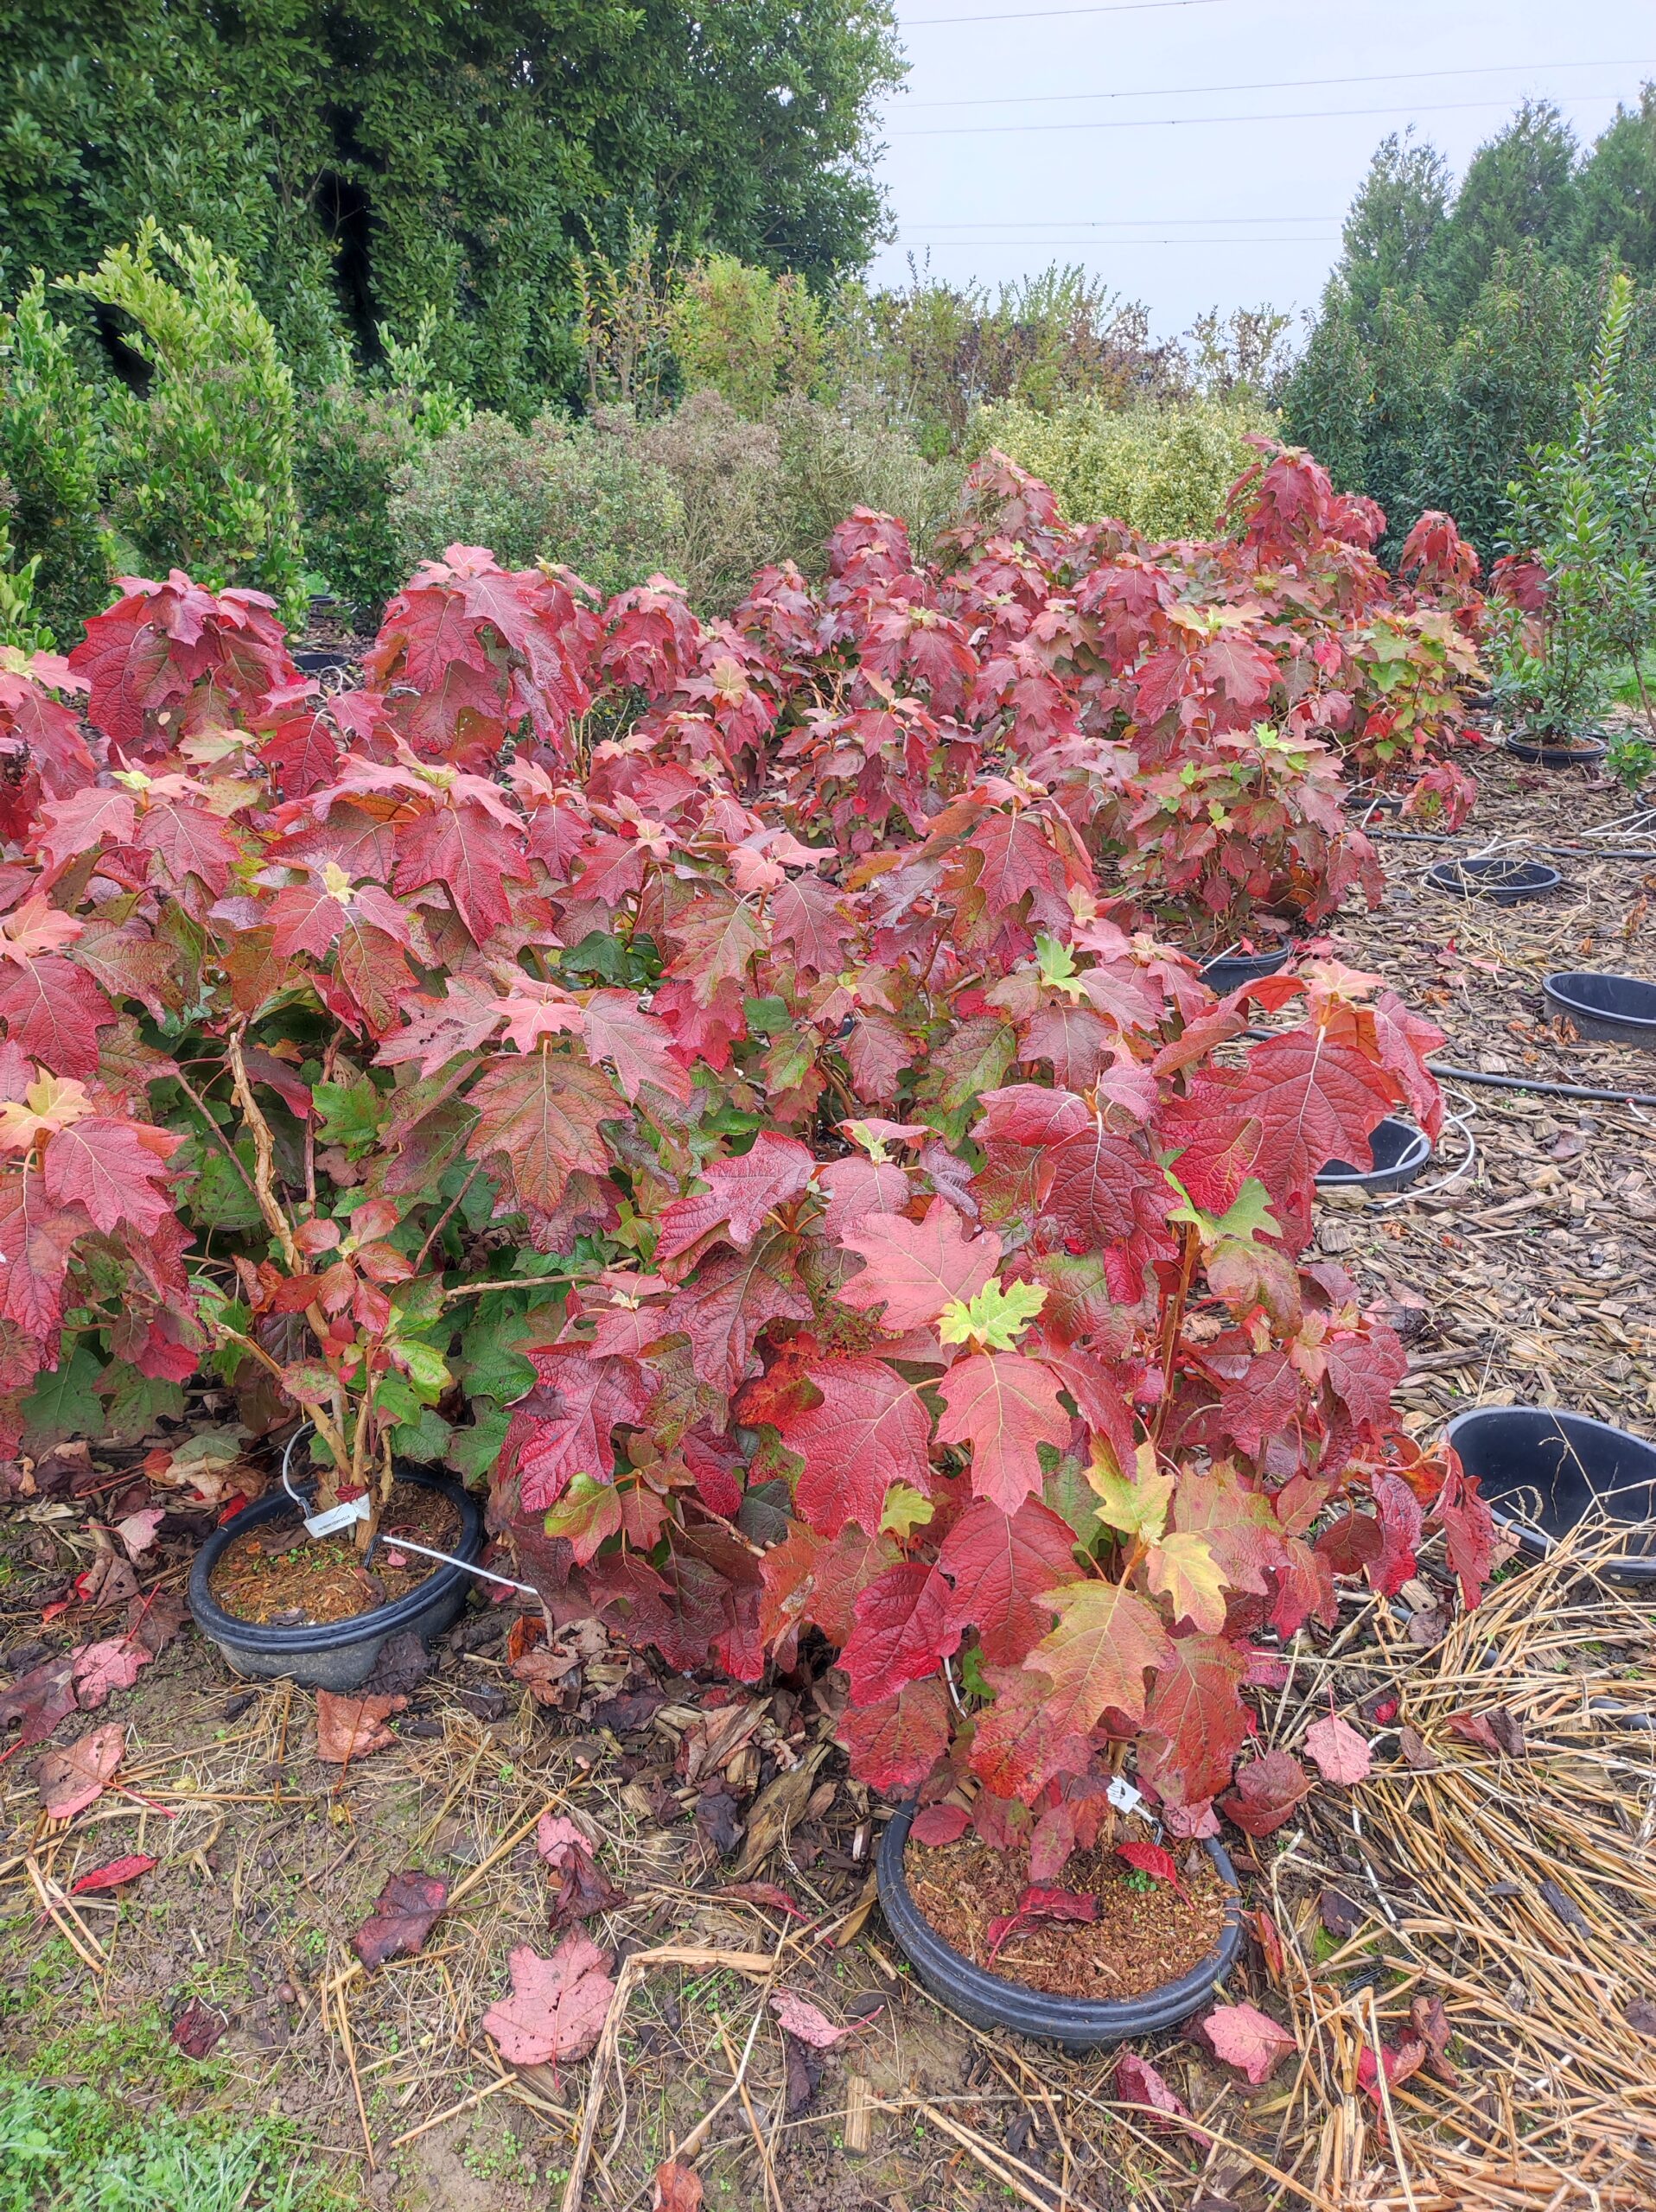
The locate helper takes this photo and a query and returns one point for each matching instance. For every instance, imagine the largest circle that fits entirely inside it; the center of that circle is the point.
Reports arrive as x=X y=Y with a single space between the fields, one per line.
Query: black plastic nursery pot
x=1495 y=875
x=1542 y=1472
x=990 y=2001
x=333 y=1655
x=1558 y=753
x=1371 y=803
x=1617 y=1009
x=322 y=661
x=1231 y=969
x=1400 y=1152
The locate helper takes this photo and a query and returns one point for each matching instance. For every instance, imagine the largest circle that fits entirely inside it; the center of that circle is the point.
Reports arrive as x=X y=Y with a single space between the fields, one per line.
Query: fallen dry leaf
x=198 y=2028
x=557 y=2007
x=1342 y=1755
x=677 y=2189
x=940 y=1824
x=115 y=1875
x=582 y=1888
x=1265 y=1793
x=1247 y=2039
x=111 y=1665
x=802 y=2018
x=1137 y=2082
x=138 y=1531
x=37 y=1700
x=765 y=1893
x=351 y=1727
x=402 y=1918
x=73 y=1779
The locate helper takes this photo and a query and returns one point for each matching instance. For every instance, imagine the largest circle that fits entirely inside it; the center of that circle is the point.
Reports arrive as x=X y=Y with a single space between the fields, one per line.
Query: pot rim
x=1556 y=988
x=1059 y=2018
x=1536 y=1543
x=265 y=1636
x=1414 y=1157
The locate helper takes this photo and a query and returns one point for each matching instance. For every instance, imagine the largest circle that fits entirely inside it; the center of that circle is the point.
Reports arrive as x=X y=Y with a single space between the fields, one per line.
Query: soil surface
x=1142 y=1937
x=277 y=1576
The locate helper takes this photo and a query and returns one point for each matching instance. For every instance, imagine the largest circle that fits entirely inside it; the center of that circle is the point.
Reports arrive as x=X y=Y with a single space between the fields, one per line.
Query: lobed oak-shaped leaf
x=916 y=1268
x=1004 y=1406
x=557 y=2007
x=1106 y=1639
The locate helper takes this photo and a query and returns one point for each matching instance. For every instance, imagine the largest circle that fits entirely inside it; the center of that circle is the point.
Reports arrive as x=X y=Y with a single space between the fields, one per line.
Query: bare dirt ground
x=1523 y=1275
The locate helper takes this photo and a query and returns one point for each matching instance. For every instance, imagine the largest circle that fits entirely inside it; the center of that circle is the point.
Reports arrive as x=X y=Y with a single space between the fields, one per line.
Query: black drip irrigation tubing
x=1572 y=852
x=1535 y=1082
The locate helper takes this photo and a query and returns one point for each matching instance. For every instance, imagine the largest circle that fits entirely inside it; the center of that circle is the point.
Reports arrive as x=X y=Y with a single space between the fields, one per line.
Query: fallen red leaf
x=935 y=1825
x=198 y=2028
x=1342 y=1755
x=802 y=2018
x=677 y=2189
x=403 y=1915
x=40 y=1698
x=582 y=1888
x=73 y=1779
x=1135 y=2082
x=1266 y=1791
x=557 y=2007
x=765 y=1893
x=114 y=1874
x=351 y=1727
x=1247 y=2039
x=111 y=1665
x=1151 y=1859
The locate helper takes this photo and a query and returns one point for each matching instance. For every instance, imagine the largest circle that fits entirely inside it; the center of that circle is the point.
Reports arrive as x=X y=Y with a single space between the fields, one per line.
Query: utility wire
x=1212 y=122
x=1324 y=239
x=1022 y=15
x=1119 y=222
x=1283 y=84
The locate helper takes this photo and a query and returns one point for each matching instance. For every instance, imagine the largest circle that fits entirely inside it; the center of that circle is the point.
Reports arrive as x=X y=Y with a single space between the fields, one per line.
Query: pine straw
x=1556 y=2106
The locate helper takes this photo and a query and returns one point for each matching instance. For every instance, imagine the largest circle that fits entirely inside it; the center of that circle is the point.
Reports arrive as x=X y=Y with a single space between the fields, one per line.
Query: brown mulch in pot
x=277 y=1576
x=1141 y=1938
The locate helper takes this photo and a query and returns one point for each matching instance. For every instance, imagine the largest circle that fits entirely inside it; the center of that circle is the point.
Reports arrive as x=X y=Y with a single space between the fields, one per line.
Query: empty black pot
x=1495 y=875
x=322 y=661
x=1542 y=1472
x=1578 y=753
x=1400 y=1152
x=333 y=1655
x=991 y=2000
x=1231 y=969
x=1371 y=803
x=1620 y=1009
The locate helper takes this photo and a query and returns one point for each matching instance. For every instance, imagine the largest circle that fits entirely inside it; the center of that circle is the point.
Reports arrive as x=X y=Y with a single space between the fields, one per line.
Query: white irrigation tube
x=404 y=1543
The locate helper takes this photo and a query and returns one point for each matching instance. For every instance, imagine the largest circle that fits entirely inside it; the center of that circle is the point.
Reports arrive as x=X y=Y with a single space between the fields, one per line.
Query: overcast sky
x=1035 y=130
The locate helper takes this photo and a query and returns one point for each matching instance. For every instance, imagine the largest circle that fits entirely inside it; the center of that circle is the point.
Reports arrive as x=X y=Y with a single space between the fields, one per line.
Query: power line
x=1326 y=239
x=1176 y=122
x=1116 y=222
x=1282 y=84
x=1022 y=15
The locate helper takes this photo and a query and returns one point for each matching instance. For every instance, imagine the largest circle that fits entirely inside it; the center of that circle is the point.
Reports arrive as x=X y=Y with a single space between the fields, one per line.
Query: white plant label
x=337 y=1517
x=1123 y=1797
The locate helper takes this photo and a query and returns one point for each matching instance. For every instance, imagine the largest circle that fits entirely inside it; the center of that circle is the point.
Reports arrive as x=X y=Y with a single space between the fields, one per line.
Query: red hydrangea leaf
x=1315 y=1099
x=540 y=1114
x=54 y=1010
x=35 y=1241
x=916 y=1268
x=1407 y=1041
x=1097 y=1656
x=557 y=2007
x=1195 y=1722
x=565 y=1427
x=729 y=1300
x=1401 y=1525
x=114 y=1874
x=999 y=1565
x=1468 y=1524
x=902 y=1632
x=799 y=2017
x=1004 y=1405
x=1342 y=1755
x=935 y=1825
x=111 y=1665
x=858 y=1190
x=872 y=1429
x=1267 y=1790
x=1153 y=1860
x=741 y=1191
x=809 y=1579
x=187 y=840
x=403 y=1915
x=896 y=1745
x=117 y=1169
x=1023 y=1741
x=471 y=855
x=73 y=1778
x=198 y=2028
x=635 y=1044
x=1135 y=2082
x=1247 y=2039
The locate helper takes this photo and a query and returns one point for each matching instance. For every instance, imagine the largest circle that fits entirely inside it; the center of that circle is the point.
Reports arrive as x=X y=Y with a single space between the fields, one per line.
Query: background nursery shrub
x=1163 y=468
x=578 y=494
x=49 y=454
x=201 y=466
x=727 y=473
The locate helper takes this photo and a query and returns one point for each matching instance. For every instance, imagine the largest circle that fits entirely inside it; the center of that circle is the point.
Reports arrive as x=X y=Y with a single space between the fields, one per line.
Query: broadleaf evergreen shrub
x=1163 y=468
x=50 y=450
x=201 y=464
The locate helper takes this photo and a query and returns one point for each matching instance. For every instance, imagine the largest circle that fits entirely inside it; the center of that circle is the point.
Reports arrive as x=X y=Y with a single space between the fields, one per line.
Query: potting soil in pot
x=1141 y=1938
x=278 y=1577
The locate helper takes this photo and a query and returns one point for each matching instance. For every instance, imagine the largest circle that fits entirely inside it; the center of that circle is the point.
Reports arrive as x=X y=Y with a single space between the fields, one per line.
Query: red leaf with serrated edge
x=1004 y=1405
x=1195 y=1722
x=676 y=2188
x=902 y=1633
x=117 y=1169
x=916 y=1268
x=1407 y=1041
x=35 y=1241
x=636 y=1045
x=1401 y=1526
x=811 y=1581
x=1024 y=1741
x=935 y=1825
x=403 y=1915
x=557 y=2007
x=859 y=1191
x=1313 y=1099
x=1342 y=1755
x=1105 y=1640
x=1468 y=1524
x=999 y=1565
x=741 y=1191
x=1036 y=1904
x=1267 y=1791
x=1247 y=2039
x=540 y=1115
x=471 y=855
x=729 y=1300
x=1151 y=1859
x=565 y=1427
x=54 y=1010
x=896 y=1745
x=871 y=1429
x=1135 y=2082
